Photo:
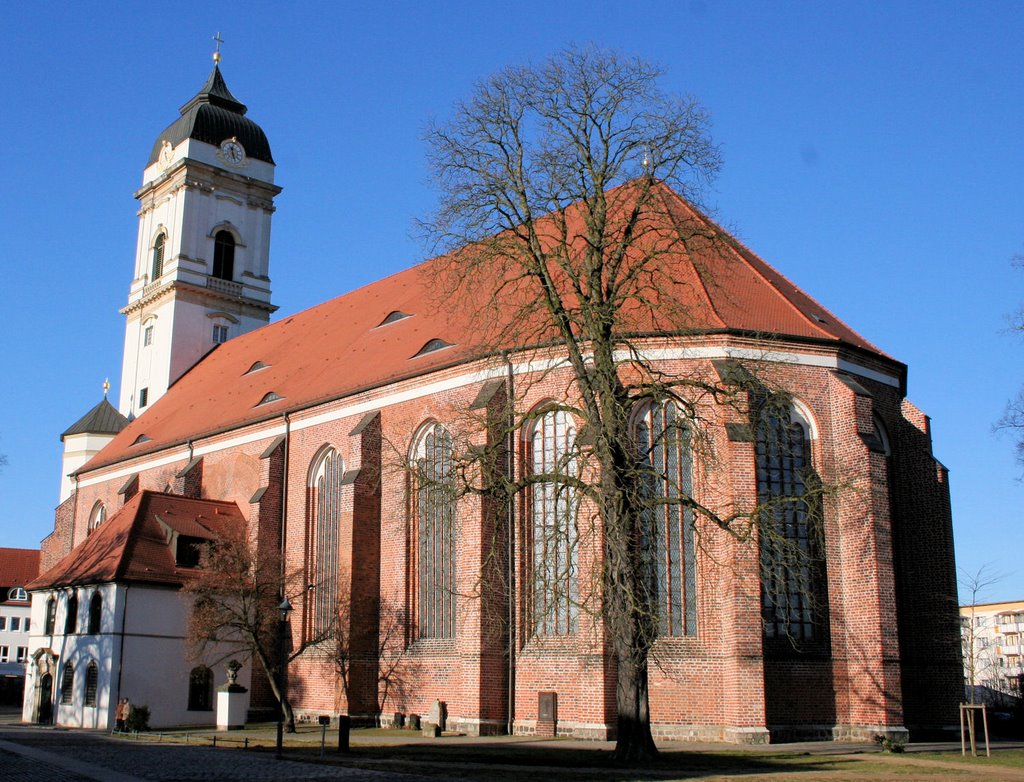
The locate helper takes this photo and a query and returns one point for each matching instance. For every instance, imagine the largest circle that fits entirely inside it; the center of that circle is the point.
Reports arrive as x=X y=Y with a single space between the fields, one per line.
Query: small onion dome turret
x=213 y=115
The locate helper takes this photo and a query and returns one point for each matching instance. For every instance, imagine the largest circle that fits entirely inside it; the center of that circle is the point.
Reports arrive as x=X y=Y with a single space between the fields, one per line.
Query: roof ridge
x=689 y=255
x=132 y=533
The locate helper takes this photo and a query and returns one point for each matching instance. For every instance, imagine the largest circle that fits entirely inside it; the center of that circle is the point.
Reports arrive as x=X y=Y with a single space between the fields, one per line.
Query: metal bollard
x=344 y=726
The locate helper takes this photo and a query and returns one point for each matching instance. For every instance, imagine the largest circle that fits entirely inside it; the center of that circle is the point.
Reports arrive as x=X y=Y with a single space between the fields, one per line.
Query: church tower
x=203 y=252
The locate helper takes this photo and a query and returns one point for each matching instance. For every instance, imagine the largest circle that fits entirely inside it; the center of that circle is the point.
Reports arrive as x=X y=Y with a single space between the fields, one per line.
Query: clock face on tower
x=232 y=152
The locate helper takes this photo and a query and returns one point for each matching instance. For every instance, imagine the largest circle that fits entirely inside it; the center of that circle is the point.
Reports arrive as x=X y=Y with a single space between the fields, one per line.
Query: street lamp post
x=282 y=669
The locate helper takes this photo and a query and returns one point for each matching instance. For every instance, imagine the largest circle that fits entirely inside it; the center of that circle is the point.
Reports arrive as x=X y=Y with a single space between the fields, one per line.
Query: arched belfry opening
x=224 y=255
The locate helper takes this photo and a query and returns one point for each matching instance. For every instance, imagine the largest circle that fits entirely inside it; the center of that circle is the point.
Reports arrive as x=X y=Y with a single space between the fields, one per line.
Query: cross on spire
x=216 y=54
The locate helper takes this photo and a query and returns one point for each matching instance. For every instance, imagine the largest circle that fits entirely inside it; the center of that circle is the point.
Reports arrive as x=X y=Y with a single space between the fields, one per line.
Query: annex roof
x=18 y=566
x=133 y=545
x=356 y=342
x=102 y=419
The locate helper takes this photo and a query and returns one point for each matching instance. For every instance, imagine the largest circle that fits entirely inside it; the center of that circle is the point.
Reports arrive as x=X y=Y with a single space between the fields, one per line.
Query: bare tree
x=235 y=595
x=979 y=664
x=559 y=201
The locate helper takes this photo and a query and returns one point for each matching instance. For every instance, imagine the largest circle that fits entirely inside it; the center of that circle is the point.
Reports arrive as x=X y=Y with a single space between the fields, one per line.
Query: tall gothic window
x=95 y=613
x=97 y=516
x=71 y=618
x=325 y=505
x=793 y=588
x=553 y=502
x=158 y=257
x=67 y=684
x=224 y=255
x=663 y=442
x=200 y=689
x=435 y=531
x=49 y=625
x=92 y=679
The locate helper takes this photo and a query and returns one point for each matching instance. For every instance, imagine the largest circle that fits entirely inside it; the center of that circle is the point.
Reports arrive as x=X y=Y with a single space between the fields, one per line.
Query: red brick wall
x=892 y=656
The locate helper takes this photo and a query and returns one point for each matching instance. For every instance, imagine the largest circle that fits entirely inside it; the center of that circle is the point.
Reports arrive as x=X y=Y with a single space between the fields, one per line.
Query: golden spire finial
x=216 y=54
x=106 y=387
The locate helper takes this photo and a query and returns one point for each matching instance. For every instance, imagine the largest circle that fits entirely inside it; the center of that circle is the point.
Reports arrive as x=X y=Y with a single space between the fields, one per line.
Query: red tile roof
x=341 y=347
x=133 y=544
x=18 y=566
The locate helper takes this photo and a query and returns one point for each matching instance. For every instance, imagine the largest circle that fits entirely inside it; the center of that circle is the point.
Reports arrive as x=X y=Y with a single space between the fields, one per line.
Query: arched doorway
x=44 y=705
x=45 y=662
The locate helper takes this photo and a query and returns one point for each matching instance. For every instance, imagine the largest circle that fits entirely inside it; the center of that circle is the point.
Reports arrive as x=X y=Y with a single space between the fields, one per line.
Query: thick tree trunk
x=633 y=740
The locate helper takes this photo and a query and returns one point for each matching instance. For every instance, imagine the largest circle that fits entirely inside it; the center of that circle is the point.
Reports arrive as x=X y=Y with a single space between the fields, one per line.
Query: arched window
x=224 y=255
x=323 y=566
x=95 y=613
x=67 y=684
x=794 y=600
x=435 y=533
x=71 y=618
x=663 y=443
x=92 y=679
x=49 y=625
x=17 y=594
x=97 y=516
x=551 y=460
x=158 y=258
x=200 y=689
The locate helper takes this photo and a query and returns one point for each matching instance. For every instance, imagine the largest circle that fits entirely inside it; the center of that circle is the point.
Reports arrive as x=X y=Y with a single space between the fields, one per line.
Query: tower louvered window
x=553 y=503
x=435 y=523
x=224 y=255
x=158 y=258
x=325 y=502
x=663 y=441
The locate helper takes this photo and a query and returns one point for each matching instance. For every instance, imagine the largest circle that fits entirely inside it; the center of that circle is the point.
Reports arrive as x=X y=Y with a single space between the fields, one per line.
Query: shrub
x=138 y=719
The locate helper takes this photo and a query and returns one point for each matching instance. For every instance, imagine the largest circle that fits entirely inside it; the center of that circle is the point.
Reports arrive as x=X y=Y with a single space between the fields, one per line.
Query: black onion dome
x=213 y=115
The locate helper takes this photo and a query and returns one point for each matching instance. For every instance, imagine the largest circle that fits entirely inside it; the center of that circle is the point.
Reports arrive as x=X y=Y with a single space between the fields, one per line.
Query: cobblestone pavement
x=32 y=754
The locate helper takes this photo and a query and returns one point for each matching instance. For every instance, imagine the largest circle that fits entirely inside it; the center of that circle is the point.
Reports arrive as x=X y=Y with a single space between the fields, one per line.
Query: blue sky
x=872 y=154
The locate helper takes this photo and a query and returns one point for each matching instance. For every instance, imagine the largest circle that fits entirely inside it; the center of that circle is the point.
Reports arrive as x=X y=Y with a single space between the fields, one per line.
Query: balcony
x=227 y=287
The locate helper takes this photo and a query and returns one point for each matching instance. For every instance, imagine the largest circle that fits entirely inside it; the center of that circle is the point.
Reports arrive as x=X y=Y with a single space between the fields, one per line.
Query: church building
x=332 y=434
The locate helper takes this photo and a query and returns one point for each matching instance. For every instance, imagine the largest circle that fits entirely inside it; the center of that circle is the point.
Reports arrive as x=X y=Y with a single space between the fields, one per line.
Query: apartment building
x=992 y=648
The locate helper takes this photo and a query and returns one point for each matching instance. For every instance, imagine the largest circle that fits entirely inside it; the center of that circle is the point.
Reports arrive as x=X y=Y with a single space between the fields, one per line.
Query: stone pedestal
x=232 y=705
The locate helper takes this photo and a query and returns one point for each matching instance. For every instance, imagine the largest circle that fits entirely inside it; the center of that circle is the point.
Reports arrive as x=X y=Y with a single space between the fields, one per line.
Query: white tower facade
x=203 y=253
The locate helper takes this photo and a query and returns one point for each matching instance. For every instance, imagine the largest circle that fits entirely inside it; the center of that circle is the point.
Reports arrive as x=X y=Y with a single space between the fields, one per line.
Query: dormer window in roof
x=270 y=396
x=188 y=551
x=394 y=317
x=256 y=368
x=142 y=438
x=433 y=346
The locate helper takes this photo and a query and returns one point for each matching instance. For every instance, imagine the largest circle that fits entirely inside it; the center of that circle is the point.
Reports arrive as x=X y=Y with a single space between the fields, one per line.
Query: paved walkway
x=33 y=754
